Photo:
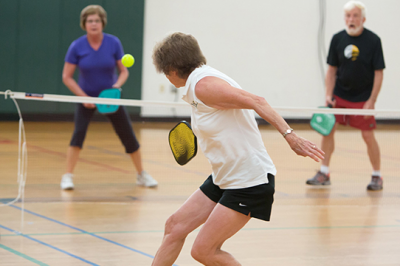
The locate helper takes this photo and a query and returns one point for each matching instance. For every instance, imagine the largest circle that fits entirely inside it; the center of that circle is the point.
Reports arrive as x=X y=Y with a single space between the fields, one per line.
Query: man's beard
x=354 y=31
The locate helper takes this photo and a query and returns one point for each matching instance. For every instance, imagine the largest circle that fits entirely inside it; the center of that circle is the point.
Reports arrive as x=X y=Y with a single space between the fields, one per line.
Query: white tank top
x=230 y=139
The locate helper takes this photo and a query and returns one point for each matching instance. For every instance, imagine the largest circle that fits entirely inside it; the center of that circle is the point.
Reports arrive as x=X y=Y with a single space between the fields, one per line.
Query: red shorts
x=357 y=121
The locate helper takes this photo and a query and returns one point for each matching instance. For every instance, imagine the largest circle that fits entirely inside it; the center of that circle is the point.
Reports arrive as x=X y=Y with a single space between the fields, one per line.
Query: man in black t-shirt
x=353 y=80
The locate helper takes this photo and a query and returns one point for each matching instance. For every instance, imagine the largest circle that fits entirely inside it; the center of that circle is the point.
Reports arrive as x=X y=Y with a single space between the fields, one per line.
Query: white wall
x=268 y=46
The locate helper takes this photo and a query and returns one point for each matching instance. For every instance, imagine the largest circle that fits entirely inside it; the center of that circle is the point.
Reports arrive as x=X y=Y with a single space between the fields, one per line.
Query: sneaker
x=66 y=182
x=376 y=183
x=319 y=179
x=146 y=180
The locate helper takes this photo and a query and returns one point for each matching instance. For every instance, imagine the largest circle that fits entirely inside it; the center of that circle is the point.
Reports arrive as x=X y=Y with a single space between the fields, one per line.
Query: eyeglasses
x=90 y=21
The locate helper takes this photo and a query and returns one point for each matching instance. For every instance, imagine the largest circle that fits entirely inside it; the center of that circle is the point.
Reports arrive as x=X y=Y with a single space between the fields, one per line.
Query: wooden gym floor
x=108 y=220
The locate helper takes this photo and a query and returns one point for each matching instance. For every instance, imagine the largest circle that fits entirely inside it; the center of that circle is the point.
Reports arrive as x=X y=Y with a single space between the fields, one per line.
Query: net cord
x=144 y=103
x=22 y=163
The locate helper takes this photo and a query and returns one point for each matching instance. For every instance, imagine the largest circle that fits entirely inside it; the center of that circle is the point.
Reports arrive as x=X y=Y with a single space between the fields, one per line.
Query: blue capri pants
x=119 y=120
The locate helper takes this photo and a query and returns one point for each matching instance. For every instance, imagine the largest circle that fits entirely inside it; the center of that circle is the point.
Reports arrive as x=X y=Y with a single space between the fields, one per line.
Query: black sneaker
x=376 y=183
x=320 y=179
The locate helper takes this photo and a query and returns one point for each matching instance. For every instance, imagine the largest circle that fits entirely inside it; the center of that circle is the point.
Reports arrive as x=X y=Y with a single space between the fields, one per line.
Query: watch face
x=288 y=131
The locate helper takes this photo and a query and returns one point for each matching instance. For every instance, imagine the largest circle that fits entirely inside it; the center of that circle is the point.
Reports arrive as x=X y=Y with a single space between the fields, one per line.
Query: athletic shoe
x=66 y=182
x=319 y=179
x=146 y=180
x=376 y=183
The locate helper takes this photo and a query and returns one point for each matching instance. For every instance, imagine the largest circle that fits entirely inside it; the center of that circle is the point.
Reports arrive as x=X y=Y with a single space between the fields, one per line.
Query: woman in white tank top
x=224 y=123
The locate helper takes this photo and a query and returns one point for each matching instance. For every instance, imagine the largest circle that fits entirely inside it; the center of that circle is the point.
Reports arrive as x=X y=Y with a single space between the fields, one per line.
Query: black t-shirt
x=357 y=58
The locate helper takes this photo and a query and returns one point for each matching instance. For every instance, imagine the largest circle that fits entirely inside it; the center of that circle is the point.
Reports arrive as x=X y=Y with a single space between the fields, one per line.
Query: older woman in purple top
x=97 y=55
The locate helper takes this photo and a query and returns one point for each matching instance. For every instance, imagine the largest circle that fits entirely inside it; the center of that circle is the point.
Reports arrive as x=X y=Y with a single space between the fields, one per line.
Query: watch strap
x=290 y=130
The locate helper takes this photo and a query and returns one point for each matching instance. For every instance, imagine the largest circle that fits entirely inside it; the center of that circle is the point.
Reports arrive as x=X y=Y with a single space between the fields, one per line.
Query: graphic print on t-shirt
x=351 y=51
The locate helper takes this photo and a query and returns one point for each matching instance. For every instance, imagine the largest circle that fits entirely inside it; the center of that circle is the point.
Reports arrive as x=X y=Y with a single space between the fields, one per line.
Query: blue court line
x=23 y=255
x=6 y=200
x=48 y=245
x=85 y=232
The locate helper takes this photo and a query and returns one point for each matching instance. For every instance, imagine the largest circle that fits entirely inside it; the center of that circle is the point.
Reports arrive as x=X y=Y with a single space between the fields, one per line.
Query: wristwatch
x=290 y=130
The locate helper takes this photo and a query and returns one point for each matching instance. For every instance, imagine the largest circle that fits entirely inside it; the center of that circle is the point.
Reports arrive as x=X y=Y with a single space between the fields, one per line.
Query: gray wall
x=269 y=47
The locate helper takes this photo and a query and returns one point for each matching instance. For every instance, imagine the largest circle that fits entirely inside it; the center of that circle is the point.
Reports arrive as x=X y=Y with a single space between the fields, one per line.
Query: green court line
x=324 y=227
x=79 y=233
x=244 y=229
x=23 y=255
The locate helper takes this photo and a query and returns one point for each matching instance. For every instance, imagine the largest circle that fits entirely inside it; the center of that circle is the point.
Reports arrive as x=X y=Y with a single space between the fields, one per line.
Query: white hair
x=352 y=4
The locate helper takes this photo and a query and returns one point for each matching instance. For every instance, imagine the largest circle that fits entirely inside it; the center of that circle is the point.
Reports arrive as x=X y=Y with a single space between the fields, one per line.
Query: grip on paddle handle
x=330 y=105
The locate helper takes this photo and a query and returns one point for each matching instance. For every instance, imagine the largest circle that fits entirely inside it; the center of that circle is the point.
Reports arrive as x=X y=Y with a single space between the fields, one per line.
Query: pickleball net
x=105 y=173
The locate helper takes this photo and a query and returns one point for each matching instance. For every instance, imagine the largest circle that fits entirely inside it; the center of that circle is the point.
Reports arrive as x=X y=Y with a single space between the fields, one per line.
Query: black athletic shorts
x=256 y=201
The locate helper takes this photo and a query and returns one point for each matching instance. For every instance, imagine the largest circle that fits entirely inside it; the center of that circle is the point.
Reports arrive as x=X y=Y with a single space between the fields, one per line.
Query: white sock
x=324 y=169
x=376 y=173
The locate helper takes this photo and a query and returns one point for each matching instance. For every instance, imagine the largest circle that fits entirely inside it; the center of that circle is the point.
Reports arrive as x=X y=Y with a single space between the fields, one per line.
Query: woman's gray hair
x=352 y=4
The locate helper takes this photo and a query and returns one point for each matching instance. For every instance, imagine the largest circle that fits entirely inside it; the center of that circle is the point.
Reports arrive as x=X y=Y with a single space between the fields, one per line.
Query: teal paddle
x=323 y=123
x=112 y=94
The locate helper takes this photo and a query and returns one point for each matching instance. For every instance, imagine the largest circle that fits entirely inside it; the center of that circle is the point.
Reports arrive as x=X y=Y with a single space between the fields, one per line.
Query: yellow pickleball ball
x=128 y=60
